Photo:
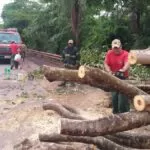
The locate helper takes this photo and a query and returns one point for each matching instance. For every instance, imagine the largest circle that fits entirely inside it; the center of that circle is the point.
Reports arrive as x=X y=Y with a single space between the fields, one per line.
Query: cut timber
x=139 y=57
x=101 y=76
x=100 y=142
x=131 y=139
x=62 y=74
x=101 y=79
x=142 y=102
x=106 y=125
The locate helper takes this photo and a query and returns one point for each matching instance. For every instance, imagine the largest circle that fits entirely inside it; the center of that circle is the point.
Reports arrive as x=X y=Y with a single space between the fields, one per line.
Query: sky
x=2 y=3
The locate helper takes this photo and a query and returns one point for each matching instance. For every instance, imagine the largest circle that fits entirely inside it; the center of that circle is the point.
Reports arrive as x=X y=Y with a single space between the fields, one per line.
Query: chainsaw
x=120 y=75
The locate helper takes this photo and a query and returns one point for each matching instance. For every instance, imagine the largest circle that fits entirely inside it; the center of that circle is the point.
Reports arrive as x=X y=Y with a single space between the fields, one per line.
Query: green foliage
x=47 y=25
x=140 y=72
x=92 y=57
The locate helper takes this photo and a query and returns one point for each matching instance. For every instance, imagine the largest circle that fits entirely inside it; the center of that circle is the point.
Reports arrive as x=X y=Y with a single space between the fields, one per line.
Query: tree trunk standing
x=75 y=17
x=135 y=19
x=101 y=76
x=106 y=125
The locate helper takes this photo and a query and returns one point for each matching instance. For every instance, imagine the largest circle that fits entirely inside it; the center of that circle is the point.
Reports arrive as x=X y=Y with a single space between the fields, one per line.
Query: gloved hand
x=120 y=75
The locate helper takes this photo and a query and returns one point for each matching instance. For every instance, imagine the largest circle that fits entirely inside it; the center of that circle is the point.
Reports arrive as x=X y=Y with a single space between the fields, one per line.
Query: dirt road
x=21 y=113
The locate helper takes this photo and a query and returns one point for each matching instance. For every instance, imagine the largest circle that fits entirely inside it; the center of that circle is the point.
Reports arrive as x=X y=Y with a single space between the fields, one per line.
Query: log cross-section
x=142 y=102
x=139 y=57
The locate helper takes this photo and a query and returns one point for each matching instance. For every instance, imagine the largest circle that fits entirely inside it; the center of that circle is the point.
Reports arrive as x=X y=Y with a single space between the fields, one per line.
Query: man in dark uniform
x=70 y=57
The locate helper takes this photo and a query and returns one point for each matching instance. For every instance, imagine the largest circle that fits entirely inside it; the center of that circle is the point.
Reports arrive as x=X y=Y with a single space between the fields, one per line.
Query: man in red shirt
x=14 y=50
x=116 y=63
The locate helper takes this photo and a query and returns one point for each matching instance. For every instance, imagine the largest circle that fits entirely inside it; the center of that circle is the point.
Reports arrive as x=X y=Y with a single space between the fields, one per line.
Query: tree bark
x=142 y=102
x=62 y=110
x=101 y=76
x=134 y=140
x=62 y=74
x=92 y=76
x=139 y=57
x=131 y=139
x=106 y=125
x=100 y=142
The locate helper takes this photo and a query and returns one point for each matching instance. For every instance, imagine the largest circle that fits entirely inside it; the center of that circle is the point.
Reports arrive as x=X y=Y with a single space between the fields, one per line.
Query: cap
x=116 y=43
x=70 y=41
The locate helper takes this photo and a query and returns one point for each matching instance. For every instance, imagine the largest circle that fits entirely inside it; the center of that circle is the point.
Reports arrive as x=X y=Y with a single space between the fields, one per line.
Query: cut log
x=101 y=76
x=129 y=139
x=101 y=79
x=100 y=142
x=142 y=102
x=61 y=110
x=106 y=125
x=135 y=140
x=139 y=57
x=62 y=74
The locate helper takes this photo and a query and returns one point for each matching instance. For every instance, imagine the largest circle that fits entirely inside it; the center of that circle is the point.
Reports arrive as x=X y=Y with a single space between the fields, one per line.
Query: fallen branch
x=62 y=110
x=100 y=142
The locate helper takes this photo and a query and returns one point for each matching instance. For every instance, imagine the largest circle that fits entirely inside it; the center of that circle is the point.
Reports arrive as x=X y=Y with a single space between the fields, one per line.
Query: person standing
x=18 y=59
x=14 y=47
x=70 y=58
x=116 y=63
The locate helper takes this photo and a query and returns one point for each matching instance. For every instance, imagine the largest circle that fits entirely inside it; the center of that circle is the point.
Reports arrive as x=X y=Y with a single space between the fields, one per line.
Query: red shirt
x=116 y=61
x=14 y=48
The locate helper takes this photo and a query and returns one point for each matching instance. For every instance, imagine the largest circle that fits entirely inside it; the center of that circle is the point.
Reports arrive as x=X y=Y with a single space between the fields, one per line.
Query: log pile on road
x=104 y=133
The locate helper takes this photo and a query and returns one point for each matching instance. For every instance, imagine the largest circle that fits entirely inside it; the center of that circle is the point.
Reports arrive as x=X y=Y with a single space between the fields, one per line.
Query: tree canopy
x=48 y=24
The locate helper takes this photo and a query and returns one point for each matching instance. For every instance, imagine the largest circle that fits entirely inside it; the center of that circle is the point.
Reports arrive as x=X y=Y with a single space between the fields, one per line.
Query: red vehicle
x=6 y=37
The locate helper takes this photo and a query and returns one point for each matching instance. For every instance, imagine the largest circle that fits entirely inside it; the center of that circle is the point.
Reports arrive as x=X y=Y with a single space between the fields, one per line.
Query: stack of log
x=141 y=102
x=103 y=133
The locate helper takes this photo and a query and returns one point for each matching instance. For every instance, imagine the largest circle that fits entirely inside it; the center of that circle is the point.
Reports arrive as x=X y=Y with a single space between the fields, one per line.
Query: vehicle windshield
x=9 y=37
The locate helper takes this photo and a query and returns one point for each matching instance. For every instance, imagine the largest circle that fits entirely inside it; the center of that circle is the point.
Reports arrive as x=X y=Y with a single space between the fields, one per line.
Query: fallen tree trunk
x=100 y=142
x=92 y=76
x=124 y=138
x=115 y=83
x=106 y=125
x=139 y=57
x=142 y=102
x=62 y=74
x=134 y=140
